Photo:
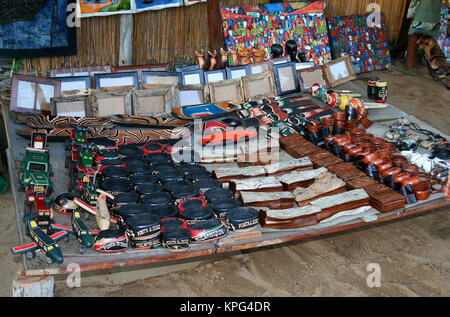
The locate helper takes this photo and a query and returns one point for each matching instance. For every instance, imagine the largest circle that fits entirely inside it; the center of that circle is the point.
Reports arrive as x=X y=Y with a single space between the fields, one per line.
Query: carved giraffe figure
x=212 y=58
x=201 y=58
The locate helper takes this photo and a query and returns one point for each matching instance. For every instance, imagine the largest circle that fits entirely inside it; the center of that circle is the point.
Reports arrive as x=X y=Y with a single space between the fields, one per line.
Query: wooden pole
x=216 y=40
x=126 y=39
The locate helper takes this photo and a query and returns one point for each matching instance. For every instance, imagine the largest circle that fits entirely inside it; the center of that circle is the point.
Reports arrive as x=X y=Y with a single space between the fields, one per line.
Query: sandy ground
x=413 y=254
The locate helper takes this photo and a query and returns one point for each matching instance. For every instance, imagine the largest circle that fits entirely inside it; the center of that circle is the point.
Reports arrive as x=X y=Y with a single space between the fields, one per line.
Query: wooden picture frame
x=309 y=76
x=304 y=65
x=74 y=82
x=140 y=68
x=73 y=106
x=148 y=67
x=116 y=80
x=192 y=95
x=192 y=77
x=109 y=103
x=187 y=68
x=33 y=94
x=236 y=72
x=154 y=100
x=230 y=90
x=79 y=71
x=259 y=86
x=338 y=71
x=161 y=78
x=280 y=60
x=285 y=78
x=212 y=76
x=261 y=67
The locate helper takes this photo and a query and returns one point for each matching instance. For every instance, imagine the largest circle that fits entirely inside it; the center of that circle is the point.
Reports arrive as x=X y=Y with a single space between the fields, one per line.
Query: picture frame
x=109 y=103
x=338 y=71
x=163 y=67
x=261 y=67
x=230 y=90
x=192 y=95
x=259 y=86
x=72 y=106
x=161 y=78
x=33 y=94
x=310 y=76
x=116 y=79
x=74 y=83
x=215 y=75
x=79 y=71
x=140 y=68
x=154 y=100
x=192 y=77
x=280 y=60
x=235 y=72
x=286 y=78
x=187 y=68
x=304 y=65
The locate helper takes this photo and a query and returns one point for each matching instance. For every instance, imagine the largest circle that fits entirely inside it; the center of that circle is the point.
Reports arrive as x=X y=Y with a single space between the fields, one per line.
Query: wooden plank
x=216 y=40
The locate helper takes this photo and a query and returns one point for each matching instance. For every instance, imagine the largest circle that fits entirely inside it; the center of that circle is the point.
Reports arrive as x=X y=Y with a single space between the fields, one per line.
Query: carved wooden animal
x=234 y=54
x=245 y=55
x=225 y=55
x=212 y=59
x=201 y=58
x=259 y=55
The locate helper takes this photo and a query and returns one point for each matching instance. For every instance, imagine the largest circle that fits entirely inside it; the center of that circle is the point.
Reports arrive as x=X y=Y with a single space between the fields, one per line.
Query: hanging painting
x=144 y=5
x=367 y=46
x=261 y=26
x=88 y=8
x=36 y=28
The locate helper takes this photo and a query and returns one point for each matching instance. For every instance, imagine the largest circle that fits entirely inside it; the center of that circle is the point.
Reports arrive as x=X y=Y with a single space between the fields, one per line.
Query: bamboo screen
x=165 y=36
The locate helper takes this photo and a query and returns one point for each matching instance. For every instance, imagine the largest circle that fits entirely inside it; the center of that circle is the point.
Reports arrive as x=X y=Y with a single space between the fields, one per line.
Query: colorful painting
x=35 y=28
x=263 y=25
x=88 y=8
x=367 y=46
x=144 y=5
x=444 y=36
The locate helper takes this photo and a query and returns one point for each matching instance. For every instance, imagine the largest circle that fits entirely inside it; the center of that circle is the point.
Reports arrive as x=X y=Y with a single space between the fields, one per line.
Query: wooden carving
x=201 y=58
x=245 y=55
x=212 y=59
x=256 y=184
x=259 y=55
x=234 y=54
x=225 y=55
x=272 y=200
x=325 y=184
x=296 y=179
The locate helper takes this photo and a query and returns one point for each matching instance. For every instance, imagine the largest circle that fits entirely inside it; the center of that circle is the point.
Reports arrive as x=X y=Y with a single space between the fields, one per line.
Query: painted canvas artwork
x=444 y=35
x=35 y=28
x=262 y=25
x=367 y=46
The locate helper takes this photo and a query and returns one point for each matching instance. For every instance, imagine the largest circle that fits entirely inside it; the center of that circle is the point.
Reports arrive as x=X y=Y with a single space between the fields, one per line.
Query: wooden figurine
x=259 y=55
x=212 y=59
x=245 y=55
x=234 y=54
x=225 y=55
x=201 y=58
